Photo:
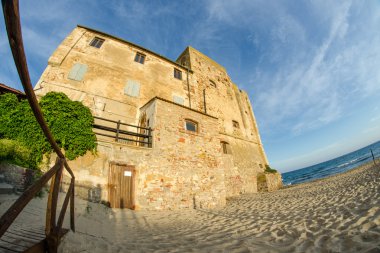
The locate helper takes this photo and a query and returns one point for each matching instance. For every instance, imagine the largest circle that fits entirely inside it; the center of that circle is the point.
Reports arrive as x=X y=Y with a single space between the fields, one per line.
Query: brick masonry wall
x=182 y=170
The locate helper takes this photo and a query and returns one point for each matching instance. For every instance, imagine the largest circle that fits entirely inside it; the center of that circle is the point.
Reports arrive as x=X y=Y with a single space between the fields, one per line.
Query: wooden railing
x=53 y=228
x=141 y=136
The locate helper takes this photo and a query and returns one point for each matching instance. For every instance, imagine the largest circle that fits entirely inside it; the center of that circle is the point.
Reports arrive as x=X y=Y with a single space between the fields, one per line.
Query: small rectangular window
x=77 y=72
x=97 y=42
x=132 y=88
x=191 y=126
x=235 y=124
x=178 y=74
x=140 y=58
x=178 y=100
x=212 y=83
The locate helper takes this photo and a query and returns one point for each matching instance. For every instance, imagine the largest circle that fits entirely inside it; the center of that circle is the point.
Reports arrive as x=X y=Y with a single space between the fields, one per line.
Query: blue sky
x=311 y=68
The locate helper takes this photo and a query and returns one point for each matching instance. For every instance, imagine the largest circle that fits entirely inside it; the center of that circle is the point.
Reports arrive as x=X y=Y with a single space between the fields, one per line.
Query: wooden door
x=121 y=186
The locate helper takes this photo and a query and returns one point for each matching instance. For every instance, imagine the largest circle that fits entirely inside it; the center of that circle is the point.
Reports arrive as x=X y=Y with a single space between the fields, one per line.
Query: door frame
x=131 y=168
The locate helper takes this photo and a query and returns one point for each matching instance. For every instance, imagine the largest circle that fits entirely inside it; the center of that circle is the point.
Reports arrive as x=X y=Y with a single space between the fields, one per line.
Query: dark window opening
x=178 y=74
x=97 y=42
x=235 y=124
x=140 y=58
x=191 y=125
x=225 y=147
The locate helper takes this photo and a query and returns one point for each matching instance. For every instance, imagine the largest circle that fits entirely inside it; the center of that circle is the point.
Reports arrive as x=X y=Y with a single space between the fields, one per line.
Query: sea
x=332 y=167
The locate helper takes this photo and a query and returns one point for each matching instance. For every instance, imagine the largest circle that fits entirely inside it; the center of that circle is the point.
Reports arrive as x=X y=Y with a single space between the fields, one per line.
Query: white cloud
x=342 y=71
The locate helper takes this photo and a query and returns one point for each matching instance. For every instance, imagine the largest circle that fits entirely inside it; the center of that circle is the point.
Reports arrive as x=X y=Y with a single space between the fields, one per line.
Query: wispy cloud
x=305 y=64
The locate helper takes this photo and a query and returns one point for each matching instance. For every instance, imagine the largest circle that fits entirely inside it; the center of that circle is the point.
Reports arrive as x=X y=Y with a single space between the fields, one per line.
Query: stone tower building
x=171 y=134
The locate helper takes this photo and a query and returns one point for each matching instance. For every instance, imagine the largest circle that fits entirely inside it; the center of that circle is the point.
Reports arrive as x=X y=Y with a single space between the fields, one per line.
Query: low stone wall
x=274 y=181
x=17 y=176
x=268 y=182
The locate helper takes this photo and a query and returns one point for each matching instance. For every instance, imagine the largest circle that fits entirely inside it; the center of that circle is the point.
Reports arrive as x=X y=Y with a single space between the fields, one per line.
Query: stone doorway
x=121 y=186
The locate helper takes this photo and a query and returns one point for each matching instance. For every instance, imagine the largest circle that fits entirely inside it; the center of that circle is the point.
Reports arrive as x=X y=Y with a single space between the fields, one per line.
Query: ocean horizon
x=331 y=167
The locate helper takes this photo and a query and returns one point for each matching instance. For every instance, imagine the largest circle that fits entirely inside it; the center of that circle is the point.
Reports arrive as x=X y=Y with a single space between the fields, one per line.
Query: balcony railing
x=122 y=132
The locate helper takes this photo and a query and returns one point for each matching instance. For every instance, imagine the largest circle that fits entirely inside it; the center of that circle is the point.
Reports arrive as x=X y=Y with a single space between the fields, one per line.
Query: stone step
x=6 y=188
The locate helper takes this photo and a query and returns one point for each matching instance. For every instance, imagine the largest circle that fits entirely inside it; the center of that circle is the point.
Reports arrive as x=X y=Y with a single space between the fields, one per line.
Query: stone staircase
x=4 y=187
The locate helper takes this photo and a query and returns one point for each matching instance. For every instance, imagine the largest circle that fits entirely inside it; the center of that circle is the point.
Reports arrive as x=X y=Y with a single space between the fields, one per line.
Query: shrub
x=70 y=123
x=14 y=152
x=268 y=169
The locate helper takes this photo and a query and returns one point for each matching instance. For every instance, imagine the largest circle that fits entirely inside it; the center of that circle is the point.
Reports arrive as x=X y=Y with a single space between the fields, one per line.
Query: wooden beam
x=54 y=199
x=39 y=247
x=64 y=207
x=48 y=225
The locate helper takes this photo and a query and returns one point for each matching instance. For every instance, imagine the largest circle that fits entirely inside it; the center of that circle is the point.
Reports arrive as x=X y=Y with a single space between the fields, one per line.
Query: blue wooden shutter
x=74 y=71
x=81 y=72
x=77 y=72
x=178 y=100
x=132 y=88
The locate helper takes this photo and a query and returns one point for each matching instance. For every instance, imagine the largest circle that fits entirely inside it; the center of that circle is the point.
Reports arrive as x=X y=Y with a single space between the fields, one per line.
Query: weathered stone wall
x=269 y=182
x=225 y=101
x=274 y=181
x=19 y=177
x=182 y=169
x=110 y=67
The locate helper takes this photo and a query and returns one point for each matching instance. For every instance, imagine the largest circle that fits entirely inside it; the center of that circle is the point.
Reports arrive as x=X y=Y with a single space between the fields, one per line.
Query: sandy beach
x=337 y=214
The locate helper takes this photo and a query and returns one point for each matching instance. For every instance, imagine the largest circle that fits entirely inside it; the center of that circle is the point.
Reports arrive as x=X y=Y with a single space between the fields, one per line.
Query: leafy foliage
x=70 y=123
x=268 y=169
x=14 y=152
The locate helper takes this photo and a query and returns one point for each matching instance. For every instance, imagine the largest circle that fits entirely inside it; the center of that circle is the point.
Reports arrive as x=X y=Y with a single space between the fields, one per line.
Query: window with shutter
x=132 y=88
x=77 y=72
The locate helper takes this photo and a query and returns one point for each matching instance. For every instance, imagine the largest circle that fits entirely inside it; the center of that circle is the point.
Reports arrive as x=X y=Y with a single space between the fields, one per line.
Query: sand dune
x=337 y=214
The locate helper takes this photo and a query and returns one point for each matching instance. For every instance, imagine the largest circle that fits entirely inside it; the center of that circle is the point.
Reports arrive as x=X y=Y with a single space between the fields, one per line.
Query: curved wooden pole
x=13 y=25
x=12 y=22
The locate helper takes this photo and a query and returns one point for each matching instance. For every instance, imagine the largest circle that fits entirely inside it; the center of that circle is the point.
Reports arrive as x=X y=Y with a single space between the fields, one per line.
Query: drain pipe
x=204 y=100
x=188 y=86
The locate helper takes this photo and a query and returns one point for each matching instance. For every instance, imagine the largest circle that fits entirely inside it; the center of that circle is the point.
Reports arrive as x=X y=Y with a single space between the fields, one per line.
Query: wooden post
x=63 y=209
x=54 y=198
x=150 y=137
x=72 y=206
x=373 y=157
x=48 y=225
x=117 y=131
